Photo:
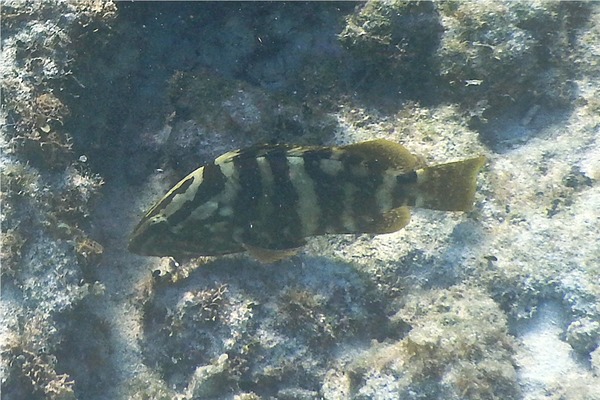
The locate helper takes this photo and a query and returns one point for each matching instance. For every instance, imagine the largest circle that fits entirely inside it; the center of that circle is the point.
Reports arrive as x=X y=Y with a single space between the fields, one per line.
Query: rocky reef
x=107 y=105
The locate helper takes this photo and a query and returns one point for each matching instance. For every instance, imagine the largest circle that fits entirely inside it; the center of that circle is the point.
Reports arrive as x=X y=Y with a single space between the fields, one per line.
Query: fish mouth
x=135 y=244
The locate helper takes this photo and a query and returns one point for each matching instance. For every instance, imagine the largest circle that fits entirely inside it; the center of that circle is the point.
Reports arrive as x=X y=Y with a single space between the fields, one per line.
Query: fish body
x=268 y=199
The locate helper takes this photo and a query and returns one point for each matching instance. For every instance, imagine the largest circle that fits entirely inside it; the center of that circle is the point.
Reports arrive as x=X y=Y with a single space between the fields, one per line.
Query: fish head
x=152 y=237
x=155 y=236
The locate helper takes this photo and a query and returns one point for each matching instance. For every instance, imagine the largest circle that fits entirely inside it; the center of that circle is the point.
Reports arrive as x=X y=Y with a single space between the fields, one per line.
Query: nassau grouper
x=268 y=199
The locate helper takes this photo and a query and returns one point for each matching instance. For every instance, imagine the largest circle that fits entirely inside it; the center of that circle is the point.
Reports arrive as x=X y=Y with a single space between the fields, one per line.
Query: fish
x=269 y=199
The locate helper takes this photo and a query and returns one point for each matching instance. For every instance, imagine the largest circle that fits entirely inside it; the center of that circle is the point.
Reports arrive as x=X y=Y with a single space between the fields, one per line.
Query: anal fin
x=389 y=222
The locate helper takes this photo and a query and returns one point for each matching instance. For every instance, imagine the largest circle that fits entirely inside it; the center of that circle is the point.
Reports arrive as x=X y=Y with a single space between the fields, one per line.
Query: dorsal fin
x=391 y=154
x=262 y=150
x=259 y=150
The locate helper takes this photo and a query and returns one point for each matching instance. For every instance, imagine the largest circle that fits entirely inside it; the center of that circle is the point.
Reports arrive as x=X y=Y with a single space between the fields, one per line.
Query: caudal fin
x=448 y=187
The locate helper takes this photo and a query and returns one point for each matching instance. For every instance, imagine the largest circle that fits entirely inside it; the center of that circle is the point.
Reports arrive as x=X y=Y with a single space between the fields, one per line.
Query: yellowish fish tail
x=448 y=187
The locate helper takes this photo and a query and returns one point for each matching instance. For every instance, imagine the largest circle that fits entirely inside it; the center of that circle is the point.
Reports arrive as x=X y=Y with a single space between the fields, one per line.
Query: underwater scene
x=300 y=200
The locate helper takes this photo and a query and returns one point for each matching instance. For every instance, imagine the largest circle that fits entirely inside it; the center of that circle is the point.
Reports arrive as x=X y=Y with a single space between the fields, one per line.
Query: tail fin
x=448 y=187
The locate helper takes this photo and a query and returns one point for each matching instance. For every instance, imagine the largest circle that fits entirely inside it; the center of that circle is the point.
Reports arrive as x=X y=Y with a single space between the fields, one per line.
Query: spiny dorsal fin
x=249 y=152
x=390 y=154
x=262 y=150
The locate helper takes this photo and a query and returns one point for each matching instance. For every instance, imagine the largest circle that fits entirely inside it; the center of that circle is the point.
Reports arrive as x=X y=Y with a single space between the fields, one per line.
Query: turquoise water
x=106 y=107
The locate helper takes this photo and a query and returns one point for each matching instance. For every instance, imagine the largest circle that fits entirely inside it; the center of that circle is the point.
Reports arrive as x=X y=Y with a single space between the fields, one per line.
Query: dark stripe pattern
x=404 y=193
x=167 y=200
x=329 y=190
x=365 y=209
x=212 y=184
x=246 y=204
x=283 y=226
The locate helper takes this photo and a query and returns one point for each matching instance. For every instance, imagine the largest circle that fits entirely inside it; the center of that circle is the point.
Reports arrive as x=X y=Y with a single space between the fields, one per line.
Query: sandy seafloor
x=106 y=105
